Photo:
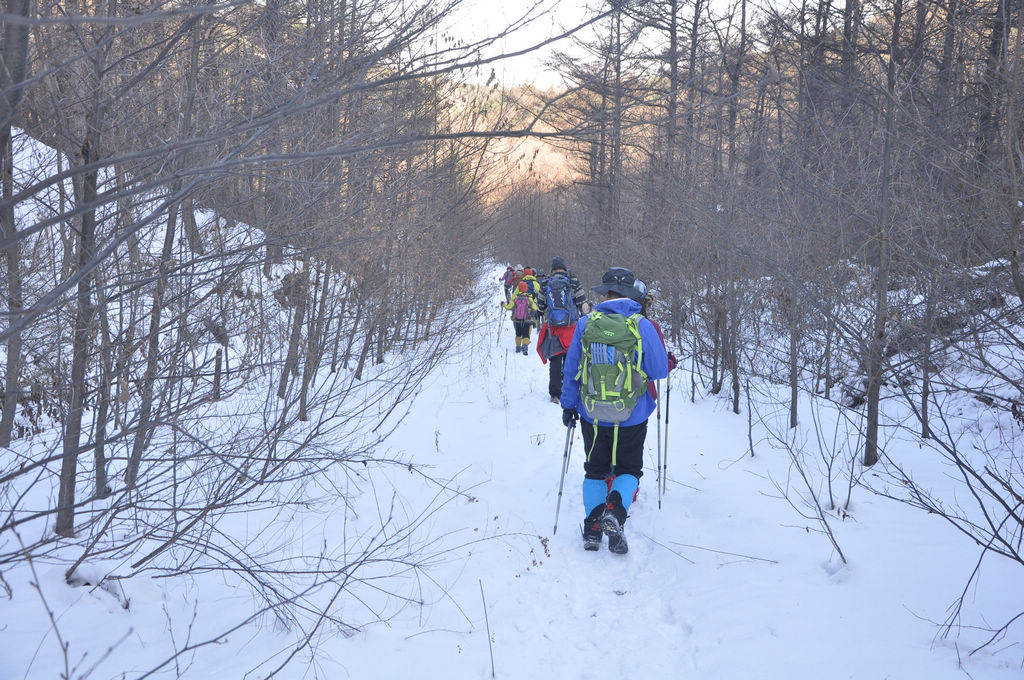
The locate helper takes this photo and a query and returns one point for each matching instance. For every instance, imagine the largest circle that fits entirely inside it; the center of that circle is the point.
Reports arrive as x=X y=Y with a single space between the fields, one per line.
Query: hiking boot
x=613 y=517
x=592 y=529
x=555 y=400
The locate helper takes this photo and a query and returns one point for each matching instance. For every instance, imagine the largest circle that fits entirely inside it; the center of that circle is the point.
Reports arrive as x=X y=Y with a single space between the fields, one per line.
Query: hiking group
x=603 y=363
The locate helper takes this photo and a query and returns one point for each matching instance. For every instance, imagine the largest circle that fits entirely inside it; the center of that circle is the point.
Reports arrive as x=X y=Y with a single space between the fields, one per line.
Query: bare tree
x=13 y=66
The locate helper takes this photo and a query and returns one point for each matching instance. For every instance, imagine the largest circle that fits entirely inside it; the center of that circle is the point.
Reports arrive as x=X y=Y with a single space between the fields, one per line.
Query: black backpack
x=561 y=310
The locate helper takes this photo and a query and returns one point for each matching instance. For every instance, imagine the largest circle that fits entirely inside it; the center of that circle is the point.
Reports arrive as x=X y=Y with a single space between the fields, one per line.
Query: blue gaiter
x=626 y=485
x=595 y=492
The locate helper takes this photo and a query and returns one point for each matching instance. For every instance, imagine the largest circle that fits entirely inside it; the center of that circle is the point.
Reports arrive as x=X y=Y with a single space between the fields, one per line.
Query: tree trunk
x=734 y=345
x=188 y=221
x=671 y=125
x=314 y=341
x=13 y=59
x=926 y=361
x=86 y=200
x=367 y=342
x=1013 y=153
x=354 y=330
x=102 y=489
x=829 y=332
x=291 y=362
x=876 y=344
x=12 y=257
x=143 y=430
x=990 y=109
x=693 y=87
x=794 y=359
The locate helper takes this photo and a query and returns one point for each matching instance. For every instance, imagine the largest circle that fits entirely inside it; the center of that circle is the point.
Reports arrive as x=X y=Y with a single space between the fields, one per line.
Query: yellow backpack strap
x=634 y=328
x=593 y=444
x=584 y=366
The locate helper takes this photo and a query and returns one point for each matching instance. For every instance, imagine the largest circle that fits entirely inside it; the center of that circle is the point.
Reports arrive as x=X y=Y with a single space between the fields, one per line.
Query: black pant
x=629 y=454
x=522 y=328
x=555 y=366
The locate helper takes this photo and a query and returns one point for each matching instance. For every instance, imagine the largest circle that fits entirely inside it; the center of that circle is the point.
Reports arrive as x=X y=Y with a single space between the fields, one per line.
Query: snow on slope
x=727 y=580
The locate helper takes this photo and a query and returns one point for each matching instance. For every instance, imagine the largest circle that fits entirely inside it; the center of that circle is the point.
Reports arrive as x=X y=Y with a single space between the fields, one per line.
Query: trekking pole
x=565 y=468
x=668 y=398
x=657 y=388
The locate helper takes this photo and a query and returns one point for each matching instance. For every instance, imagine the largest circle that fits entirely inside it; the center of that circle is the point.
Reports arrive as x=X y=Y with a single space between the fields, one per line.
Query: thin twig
x=723 y=552
x=487 y=620
x=677 y=554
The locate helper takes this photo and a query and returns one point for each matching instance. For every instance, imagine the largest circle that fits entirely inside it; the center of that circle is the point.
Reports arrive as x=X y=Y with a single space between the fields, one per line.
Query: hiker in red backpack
x=560 y=303
x=523 y=306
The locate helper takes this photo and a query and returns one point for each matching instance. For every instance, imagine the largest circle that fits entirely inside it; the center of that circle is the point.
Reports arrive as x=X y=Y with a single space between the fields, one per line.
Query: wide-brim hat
x=618 y=280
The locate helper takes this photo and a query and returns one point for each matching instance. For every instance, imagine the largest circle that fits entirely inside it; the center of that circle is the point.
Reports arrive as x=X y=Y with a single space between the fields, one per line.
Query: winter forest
x=259 y=417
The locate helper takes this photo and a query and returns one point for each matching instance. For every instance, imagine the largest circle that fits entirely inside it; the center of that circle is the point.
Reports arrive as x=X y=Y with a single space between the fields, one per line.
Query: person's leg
x=555 y=366
x=626 y=485
x=628 y=467
x=597 y=446
x=521 y=333
x=595 y=494
x=629 y=461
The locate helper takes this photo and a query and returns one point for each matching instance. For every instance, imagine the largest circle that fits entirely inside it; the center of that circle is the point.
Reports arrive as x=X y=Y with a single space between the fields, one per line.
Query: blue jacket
x=654 y=362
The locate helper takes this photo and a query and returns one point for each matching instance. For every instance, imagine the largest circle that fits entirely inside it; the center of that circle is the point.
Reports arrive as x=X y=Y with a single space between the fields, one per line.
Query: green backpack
x=611 y=380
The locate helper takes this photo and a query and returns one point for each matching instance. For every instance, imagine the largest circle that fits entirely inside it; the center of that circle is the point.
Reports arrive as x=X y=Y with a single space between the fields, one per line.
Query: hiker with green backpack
x=613 y=353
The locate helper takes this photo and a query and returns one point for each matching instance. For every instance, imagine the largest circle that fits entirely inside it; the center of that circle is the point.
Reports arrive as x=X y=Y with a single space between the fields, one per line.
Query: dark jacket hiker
x=561 y=304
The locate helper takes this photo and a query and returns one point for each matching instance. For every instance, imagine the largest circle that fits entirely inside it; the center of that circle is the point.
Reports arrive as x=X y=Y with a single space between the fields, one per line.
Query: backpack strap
x=633 y=324
x=584 y=365
x=615 y=444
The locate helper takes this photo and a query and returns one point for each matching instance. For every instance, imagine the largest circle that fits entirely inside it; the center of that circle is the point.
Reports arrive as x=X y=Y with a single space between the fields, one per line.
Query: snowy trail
x=730 y=580
x=679 y=604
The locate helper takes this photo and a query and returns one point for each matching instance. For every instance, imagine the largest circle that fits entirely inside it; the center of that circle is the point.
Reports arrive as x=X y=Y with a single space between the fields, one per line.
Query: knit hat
x=522 y=286
x=558 y=263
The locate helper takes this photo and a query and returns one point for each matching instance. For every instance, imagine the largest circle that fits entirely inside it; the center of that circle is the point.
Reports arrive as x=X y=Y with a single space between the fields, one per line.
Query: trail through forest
x=730 y=578
x=727 y=580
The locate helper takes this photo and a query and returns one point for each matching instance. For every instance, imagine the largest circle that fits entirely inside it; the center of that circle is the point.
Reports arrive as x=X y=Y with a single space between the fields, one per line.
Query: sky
x=545 y=19
x=728 y=575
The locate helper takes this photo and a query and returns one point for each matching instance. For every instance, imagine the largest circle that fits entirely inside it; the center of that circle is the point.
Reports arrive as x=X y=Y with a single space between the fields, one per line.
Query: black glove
x=569 y=417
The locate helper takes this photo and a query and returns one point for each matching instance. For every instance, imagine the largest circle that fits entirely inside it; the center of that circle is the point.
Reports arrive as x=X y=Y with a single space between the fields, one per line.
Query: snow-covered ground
x=727 y=580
